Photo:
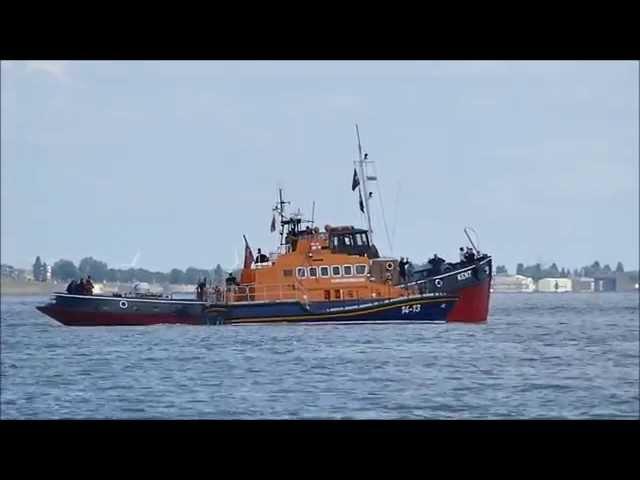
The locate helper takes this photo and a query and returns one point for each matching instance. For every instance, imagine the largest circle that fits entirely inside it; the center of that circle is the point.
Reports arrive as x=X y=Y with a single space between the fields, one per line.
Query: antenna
x=279 y=208
x=363 y=181
x=466 y=232
x=313 y=214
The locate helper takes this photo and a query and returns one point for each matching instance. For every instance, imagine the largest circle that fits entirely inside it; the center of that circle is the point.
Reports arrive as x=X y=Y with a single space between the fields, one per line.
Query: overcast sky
x=176 y=160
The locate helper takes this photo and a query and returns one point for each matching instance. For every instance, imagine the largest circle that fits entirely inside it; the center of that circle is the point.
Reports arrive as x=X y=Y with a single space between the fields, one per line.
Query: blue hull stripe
x=436 y=309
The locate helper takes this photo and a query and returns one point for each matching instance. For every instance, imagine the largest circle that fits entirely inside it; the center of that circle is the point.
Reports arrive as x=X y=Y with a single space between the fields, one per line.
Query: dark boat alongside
x=470 y=282
x=84 y=310
x=100 y=310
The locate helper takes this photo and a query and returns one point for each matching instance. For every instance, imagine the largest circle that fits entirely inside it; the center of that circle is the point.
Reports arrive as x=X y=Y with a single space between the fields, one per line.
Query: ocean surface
x=540 y=356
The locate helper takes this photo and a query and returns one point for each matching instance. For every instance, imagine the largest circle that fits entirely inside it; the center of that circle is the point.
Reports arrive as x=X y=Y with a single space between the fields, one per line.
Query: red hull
x=473 y=303
x=97 y=319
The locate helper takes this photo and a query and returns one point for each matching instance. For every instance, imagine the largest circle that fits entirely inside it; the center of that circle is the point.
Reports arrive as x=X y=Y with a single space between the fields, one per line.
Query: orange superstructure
x=313 y=265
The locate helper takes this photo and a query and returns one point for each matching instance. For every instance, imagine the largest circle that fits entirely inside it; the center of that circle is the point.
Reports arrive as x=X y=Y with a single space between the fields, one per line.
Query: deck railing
x=258 y=293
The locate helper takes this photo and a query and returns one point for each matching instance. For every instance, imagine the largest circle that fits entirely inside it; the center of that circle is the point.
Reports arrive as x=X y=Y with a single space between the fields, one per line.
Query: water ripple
x=539 y=356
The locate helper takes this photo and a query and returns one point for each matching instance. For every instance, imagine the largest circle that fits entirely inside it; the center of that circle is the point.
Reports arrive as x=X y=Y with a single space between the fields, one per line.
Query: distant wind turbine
x=134 y=261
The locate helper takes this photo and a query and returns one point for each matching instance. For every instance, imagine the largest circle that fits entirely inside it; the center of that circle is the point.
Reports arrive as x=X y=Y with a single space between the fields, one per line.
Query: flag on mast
x=273 y=223
x=355 y=182
x=361 y=203
x=248 y=254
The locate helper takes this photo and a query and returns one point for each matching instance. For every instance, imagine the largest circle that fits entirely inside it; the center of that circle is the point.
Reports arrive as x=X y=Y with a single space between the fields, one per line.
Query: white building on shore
x=513 y=284
x=554 y=285
x=583 y=284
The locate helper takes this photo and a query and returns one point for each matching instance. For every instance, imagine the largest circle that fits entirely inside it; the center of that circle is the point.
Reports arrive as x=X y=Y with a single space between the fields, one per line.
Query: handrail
x=257 y=293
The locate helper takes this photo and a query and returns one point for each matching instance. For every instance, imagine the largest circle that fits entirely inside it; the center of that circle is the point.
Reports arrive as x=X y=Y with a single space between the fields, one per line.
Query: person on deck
x=230 y=281
x=88 y=286
x=217 y=293
x=470 y=255
x=402 y=267
x=81 y=288
x=463 y=256
x=409 y=268
x=199 y=290
x=261 y=257
x=436 y=264
x=202 y=285
x=71 y=288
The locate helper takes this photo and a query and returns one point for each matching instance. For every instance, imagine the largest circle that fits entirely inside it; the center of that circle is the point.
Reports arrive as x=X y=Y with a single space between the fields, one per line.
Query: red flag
x=248 y=254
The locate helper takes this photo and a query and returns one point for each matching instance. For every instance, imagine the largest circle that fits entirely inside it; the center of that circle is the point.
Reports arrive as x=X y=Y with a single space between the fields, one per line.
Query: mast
x=280 y=209
x=363 y=182
x=291 y=223
x=313 y=214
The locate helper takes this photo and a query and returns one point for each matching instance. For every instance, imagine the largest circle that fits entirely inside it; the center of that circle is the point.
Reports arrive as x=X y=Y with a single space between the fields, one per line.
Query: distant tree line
x=537 y=272
x=66 y=270
x=40 y=270
x=595 y=270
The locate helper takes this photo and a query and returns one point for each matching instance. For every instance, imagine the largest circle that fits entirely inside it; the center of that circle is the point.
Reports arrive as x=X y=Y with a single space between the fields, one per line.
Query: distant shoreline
x=15 y=288
x=10 y=287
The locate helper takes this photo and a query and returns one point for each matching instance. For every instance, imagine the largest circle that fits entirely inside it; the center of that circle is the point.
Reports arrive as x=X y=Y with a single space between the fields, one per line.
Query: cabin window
x=337 y=294
x=327 y=294
x=335 y=270
x=301 y=272
x=324 y=272
x=347 y=240
x=334 y=242
x=358 y=239
x=287 y=273
x=361 y=269
x=347 y=270
x=313 y=271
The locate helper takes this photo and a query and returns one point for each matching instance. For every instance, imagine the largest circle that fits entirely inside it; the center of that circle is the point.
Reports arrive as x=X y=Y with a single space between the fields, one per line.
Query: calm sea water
x=539 y=356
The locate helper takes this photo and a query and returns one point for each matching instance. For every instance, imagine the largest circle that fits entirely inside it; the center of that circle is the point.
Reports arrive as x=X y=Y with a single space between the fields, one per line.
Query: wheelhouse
x=351 y=241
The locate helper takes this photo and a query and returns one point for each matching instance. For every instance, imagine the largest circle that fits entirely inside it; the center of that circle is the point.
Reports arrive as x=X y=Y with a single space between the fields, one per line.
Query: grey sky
x=178 y=159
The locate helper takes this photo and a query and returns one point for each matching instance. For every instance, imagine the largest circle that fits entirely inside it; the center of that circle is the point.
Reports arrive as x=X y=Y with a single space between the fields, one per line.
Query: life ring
x=123 y=304
x=389 y=265
x=438 y=282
